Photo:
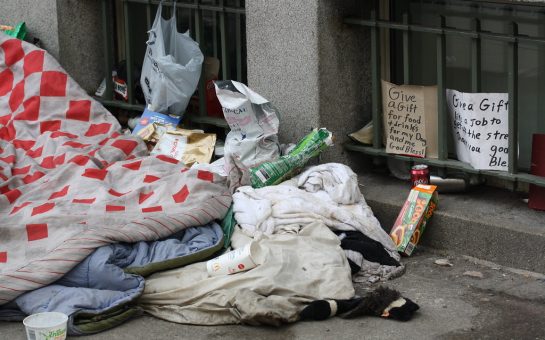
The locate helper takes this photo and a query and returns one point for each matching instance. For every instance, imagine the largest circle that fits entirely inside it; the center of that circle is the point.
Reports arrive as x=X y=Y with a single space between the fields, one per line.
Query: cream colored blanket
x=292 y=270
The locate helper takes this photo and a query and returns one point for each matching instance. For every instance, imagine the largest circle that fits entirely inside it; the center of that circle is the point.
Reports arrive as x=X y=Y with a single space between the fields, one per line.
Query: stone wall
x=283 y=60
x=70 y=30
x=80 y=41
x=40 y=17
x=309 y=64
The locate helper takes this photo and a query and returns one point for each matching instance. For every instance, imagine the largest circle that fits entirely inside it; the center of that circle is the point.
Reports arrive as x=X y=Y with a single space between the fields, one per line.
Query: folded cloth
x=289 y=275
x=269 y=209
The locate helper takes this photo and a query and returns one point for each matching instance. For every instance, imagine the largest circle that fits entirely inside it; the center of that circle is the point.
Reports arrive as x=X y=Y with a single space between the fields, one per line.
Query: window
x=470 y=46
x=217 y=25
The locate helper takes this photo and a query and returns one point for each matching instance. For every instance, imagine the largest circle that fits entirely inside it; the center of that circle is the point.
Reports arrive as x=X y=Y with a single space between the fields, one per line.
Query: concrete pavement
x=501 y=305
x=484 y=222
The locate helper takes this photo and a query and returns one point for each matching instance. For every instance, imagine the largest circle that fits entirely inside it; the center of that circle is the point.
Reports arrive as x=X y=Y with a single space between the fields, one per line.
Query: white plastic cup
x=235 y=261
x=46 y=326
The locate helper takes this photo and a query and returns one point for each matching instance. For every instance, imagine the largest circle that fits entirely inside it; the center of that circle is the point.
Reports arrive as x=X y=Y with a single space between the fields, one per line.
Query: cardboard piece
x=536 y=198
x=410 y=119
x=363 y=135
x=413 y=218
x=480 y=128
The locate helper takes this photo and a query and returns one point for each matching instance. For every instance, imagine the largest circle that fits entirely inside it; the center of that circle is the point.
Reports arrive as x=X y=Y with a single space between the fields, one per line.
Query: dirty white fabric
x=285 y=208
x=292 y=271
x=338 y=180
x=372 y=272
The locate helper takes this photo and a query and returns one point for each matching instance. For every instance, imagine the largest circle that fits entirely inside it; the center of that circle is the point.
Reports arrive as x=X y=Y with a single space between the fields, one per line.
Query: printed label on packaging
x=413 y=218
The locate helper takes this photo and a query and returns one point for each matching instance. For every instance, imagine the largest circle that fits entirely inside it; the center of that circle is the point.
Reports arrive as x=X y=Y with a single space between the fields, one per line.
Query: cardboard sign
x=410 y=119
x=480 y=128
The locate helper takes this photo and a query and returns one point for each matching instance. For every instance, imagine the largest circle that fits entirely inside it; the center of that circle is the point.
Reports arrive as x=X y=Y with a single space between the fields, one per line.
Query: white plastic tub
x=46 y=326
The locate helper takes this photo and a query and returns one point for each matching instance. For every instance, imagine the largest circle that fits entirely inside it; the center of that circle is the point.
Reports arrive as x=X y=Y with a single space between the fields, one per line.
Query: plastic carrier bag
x=172 y=66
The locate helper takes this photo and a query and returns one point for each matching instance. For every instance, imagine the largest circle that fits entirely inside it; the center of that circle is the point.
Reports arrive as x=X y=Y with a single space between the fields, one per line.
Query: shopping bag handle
x=159 y=16
x=174 y=11
x=151 y=32
x=160 y=7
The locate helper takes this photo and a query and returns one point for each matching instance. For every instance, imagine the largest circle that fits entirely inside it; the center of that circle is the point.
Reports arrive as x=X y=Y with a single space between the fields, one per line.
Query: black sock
x=317 y=310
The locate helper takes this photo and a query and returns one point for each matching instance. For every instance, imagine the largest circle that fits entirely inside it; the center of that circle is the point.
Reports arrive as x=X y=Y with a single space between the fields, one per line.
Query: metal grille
x=217 y=25
x=441 y=32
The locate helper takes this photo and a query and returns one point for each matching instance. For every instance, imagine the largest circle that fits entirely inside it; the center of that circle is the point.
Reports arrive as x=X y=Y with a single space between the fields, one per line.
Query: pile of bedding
x=101 y=291
x=328 y=193
x=290 y=273
x=94 y=227
x=71 y=183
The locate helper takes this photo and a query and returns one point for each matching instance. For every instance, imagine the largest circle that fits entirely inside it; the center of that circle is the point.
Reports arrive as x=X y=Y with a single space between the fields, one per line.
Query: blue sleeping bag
x=100 y=292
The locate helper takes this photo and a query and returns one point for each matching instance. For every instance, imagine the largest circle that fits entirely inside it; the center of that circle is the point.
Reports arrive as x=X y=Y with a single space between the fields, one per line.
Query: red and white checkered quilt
x=70 y=182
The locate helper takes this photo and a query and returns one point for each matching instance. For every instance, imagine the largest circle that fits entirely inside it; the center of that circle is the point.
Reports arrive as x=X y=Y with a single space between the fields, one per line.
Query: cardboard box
x=149 y=117
x=415 y=214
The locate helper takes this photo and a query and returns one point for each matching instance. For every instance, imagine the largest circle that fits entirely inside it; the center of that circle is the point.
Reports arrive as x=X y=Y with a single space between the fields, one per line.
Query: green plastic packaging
x=19 y=31
x=272 y=173
x=228 y=226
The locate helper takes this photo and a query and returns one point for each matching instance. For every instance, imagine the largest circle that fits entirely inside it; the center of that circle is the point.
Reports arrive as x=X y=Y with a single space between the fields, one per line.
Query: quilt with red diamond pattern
x=70 y=182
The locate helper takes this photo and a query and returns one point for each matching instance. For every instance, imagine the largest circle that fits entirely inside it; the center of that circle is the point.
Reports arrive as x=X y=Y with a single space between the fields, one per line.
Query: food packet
x=274 y=172
x=153 y=132
x=148 y=117
x=413 y=217
x=187 y=146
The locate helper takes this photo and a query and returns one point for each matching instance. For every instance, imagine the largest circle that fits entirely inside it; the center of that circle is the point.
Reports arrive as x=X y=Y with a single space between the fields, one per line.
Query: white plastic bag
x=172 y=67
x=253 y=121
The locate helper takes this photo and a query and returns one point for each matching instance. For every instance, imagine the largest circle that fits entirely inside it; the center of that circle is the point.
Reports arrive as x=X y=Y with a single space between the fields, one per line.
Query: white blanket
x=286 y=208
x=328 y=193
x=338 y=180
x=290 y=274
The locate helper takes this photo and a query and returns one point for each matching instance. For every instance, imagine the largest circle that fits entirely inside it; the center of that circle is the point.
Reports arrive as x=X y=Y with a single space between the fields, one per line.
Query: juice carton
x=414 y=216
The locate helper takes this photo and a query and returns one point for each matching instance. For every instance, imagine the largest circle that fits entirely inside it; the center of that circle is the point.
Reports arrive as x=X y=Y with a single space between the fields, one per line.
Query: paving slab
x=487 y=223
x=503 y=304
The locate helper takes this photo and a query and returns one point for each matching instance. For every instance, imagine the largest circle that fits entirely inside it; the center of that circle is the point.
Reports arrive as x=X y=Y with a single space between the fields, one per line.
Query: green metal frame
x=476 y=35
x=196 y=8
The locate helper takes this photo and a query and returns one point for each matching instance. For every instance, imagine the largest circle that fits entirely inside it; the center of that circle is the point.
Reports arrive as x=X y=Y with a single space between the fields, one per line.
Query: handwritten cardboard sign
x=480 y=128
x=410 y=119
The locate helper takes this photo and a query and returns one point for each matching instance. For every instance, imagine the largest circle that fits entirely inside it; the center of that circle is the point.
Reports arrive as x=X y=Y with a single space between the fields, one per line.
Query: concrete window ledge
x=486 y=223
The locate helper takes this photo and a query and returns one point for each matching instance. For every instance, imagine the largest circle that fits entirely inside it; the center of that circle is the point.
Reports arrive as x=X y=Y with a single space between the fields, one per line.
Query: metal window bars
x=476 y=35
x=226 y=16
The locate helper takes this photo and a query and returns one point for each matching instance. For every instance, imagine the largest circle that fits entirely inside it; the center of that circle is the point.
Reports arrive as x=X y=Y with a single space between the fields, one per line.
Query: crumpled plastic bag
x=253 y=121
x=172 y=67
